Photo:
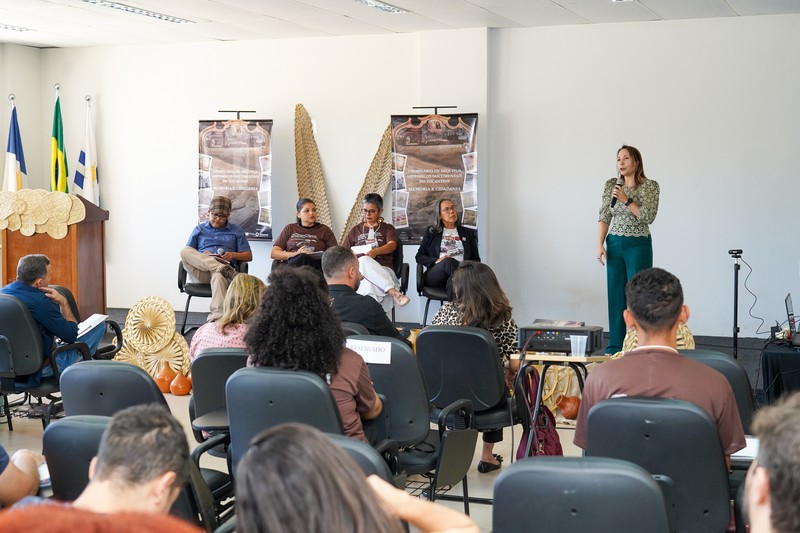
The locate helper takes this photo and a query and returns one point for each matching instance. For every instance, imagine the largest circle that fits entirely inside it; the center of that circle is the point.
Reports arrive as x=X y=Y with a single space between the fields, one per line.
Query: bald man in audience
x=655 y=368
x=772 y=488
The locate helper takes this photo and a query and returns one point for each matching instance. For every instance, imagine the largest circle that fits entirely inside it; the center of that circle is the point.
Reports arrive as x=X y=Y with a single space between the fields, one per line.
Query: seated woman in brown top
x=303 y=242
x=296 y=328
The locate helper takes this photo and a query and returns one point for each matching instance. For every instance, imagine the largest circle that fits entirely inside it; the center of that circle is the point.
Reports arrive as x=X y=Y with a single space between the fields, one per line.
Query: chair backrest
x=181 y=276
x=568 y=494
x=105 y=387
x=364 y=455
x=674 y=439
x=72 y=442
x=73 y=305
x=353 y=328
x=21 y=350
x=69 y=446
x=736 y=375
x=210 y=371
x=461 y=362
x=402 y=383
x=260 y=398
x=397 y=258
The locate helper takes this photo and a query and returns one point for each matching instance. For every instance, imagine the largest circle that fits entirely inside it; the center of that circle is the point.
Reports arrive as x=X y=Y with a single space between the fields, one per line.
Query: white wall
x=148 y=99
x=713 y=105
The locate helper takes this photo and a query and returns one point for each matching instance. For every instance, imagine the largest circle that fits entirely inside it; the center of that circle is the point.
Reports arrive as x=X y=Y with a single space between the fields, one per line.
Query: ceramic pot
x=181 y=385
x=165 y=377
x=569 y=406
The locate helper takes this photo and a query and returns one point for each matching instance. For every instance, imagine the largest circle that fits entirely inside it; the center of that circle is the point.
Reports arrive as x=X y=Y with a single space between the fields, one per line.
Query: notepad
x=90 y=323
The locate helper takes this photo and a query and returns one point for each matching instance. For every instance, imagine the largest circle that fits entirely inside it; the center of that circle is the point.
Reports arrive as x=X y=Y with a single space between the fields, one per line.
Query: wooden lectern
x=77 y=260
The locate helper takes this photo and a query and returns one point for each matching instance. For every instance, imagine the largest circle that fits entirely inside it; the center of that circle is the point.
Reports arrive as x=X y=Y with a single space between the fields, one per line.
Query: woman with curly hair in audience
x=295 y=328
x=241 y=301
x=293 y=479
x=479 y=301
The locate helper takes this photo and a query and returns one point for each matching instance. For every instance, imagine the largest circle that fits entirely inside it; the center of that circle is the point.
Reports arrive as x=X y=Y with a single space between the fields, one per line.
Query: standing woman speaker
x=624 y=244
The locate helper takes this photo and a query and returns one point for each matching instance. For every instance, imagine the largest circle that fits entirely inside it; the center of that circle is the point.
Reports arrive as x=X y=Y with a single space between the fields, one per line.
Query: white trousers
x=377 y=281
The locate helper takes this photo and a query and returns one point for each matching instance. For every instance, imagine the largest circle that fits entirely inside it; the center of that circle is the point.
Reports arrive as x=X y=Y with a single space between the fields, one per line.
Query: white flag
x=86 y=176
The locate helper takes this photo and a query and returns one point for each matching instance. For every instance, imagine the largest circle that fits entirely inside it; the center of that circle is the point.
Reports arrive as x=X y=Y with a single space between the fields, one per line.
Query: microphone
x=221 y=251
x=620 y=183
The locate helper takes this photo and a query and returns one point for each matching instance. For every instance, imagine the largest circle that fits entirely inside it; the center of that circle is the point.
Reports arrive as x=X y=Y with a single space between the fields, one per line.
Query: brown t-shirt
x=663 y=373
x=359 y=236
x=352 y=388
x=295 y=236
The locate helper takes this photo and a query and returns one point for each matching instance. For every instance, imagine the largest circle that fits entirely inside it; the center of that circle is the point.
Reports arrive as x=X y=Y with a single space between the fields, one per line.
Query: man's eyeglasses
x=219 y=216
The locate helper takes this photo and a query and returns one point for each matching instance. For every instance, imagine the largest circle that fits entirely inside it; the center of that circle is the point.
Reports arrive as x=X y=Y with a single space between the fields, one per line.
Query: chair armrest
x=108 y=351
x=404 y=272
x=420 y=278
x=82 y=348
x=461 y=408
x=242 y=266
x=212 y=442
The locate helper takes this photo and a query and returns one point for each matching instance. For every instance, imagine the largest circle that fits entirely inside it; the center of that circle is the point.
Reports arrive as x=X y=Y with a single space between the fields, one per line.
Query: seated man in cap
x=212 y=247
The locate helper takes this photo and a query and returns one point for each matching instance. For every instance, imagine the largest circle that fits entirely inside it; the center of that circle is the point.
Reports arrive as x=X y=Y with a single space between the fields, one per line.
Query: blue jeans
x=66 y=358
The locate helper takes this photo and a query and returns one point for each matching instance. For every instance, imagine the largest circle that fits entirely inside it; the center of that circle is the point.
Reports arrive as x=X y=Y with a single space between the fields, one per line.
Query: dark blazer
x=364 y=310
x=428 y=251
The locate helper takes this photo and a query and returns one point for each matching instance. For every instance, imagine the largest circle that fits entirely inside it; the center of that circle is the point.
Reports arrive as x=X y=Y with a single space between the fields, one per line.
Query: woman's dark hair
x=478 y=296
x=295 y=326
x=437 y=214
x=375 y=199
x=293 y=479
x=636 y=155
x=301 y=202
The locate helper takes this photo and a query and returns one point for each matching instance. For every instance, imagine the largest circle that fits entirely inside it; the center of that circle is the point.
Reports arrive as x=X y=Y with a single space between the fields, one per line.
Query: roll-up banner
x=235 y=160
x=435 y=156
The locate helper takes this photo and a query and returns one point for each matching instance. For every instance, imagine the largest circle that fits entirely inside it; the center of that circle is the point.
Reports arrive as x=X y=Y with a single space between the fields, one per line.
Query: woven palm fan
x=77 y=210
x=376 y=180
x=175 y=353
x=150 y=324
x=310 y=180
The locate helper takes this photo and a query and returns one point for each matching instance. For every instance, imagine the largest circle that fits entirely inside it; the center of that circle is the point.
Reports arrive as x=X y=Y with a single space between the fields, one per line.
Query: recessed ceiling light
x=380 y=5
x=139 y=11
x=13 y=28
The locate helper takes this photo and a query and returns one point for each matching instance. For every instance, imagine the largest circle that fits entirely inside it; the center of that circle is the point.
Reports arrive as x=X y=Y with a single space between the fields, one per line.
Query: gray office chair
x=210 y=371
x=104 y=351
x=674 y=440
x=22 y=354
x=569 y=494
x=445 y=451
x=352 y=328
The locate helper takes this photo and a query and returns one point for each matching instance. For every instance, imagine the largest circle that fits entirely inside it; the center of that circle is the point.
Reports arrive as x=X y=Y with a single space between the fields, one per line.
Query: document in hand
x=90 y=323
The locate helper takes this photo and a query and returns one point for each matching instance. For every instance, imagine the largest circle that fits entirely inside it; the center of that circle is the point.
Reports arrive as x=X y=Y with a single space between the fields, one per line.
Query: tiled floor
x=28 y=434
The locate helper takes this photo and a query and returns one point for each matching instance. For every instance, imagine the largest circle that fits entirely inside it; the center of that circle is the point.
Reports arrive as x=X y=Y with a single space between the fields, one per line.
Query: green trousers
x=625 y=256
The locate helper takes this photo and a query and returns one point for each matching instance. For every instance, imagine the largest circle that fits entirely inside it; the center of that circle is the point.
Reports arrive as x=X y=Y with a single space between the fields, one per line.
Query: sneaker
x=229 y=272
x=400 y=299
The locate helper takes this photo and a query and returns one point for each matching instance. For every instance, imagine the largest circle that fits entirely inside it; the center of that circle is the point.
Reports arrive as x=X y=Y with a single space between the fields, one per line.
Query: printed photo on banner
x=470 y=218
x=434 y=157
x=470 y=181
x=235 y=160
x=470 y=162
x=398 y=181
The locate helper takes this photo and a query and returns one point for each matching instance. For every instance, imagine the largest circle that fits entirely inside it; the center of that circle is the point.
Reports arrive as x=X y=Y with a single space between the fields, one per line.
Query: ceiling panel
x=605 y=11
x=689 y=9
x=66 y=23
x=765 y=7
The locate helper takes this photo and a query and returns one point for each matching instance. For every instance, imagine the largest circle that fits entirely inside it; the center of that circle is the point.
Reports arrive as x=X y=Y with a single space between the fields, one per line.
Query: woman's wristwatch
x=629 y=202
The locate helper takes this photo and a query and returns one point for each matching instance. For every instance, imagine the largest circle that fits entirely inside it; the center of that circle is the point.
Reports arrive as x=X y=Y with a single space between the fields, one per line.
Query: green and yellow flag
x=58 y=161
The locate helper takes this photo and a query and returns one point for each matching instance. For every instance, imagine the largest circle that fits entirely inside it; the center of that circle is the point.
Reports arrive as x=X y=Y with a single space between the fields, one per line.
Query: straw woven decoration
x=175 y=352
x=150 y=324
x=376 y=180
x=310 y=180
x=38 y=211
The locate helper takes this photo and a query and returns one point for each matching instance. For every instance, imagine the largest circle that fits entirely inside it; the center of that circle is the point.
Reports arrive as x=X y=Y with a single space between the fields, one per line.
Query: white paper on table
x=361 y=250
x=750 y=451
x=90 y=322
x=44 y=475
x=373 y=352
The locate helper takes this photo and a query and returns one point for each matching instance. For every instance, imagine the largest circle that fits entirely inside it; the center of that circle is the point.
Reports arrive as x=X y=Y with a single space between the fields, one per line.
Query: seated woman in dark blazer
x=445 y=245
